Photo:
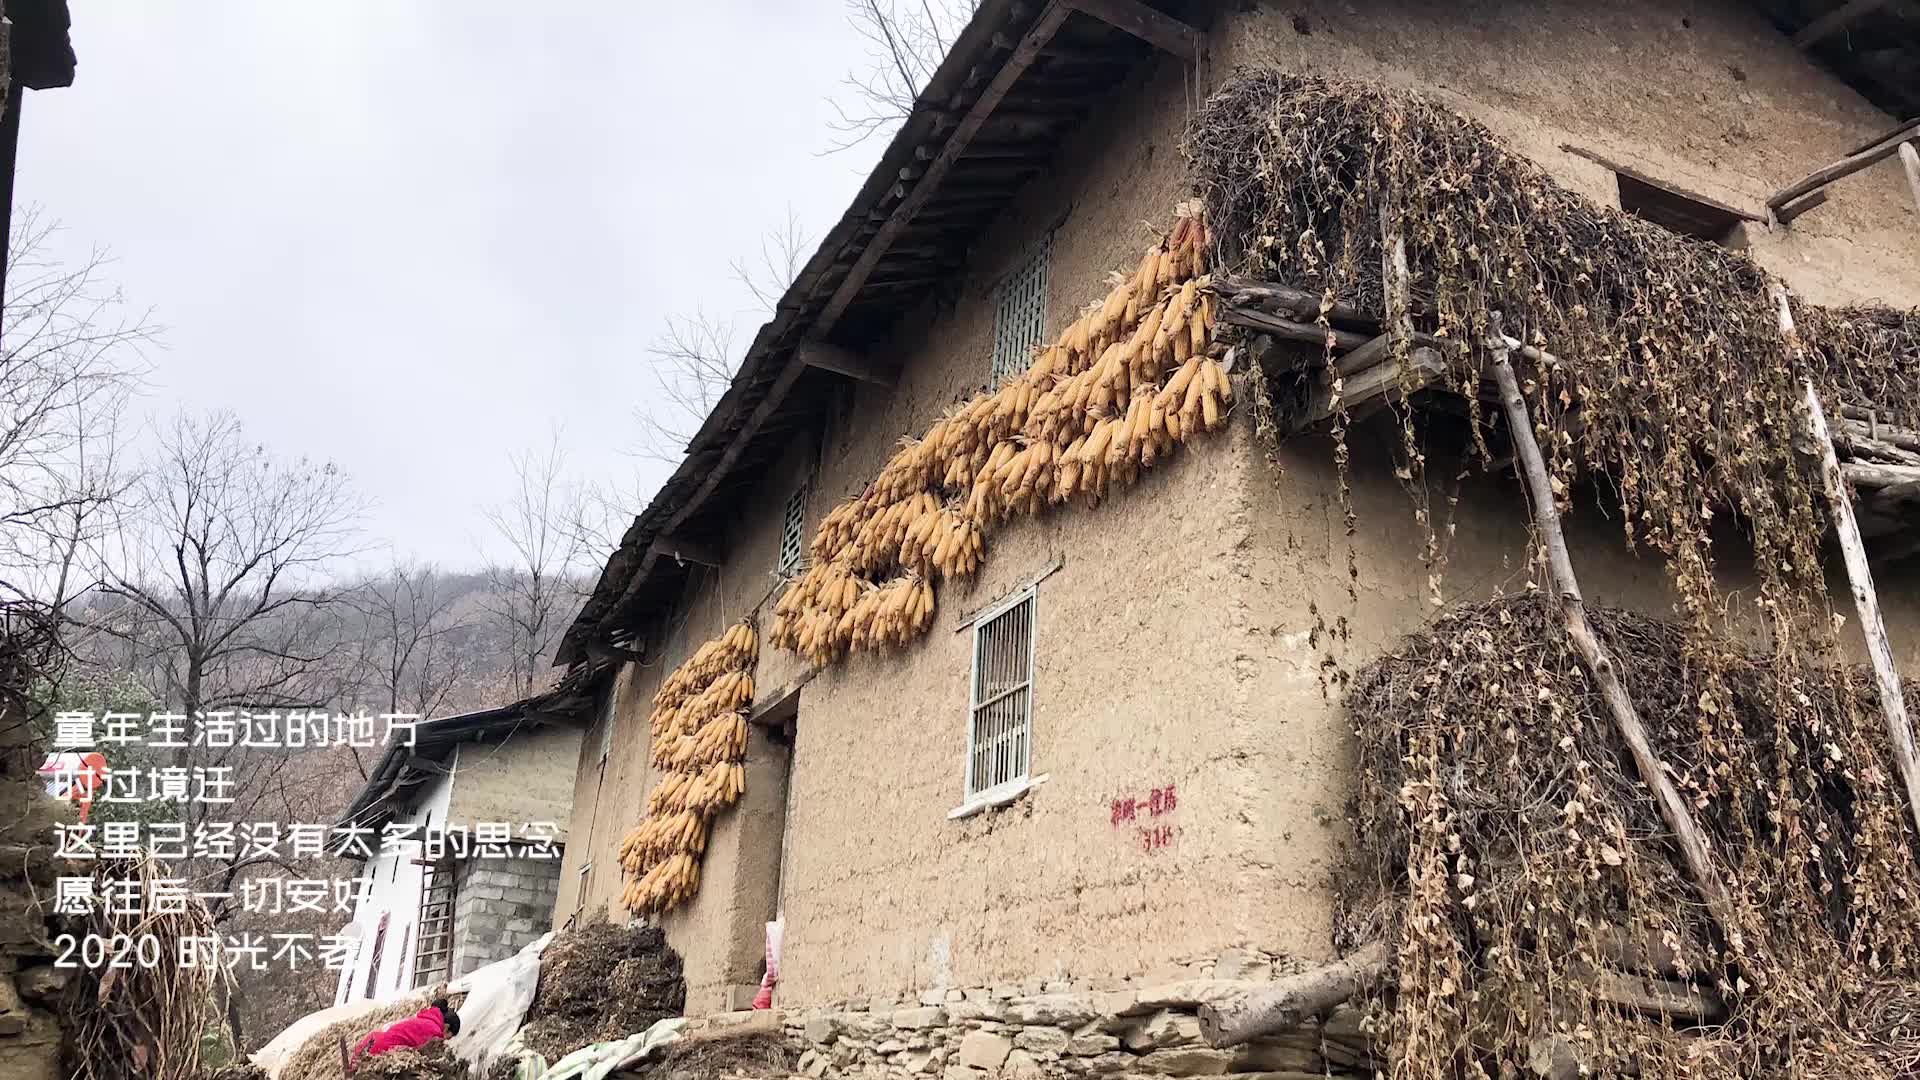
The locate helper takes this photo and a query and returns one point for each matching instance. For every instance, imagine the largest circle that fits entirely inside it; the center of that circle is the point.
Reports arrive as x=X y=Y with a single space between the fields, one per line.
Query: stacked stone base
x=1054 y=1030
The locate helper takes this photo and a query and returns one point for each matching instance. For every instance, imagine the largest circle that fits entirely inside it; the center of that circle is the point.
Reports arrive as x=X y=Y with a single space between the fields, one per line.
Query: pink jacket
x=418 y=1030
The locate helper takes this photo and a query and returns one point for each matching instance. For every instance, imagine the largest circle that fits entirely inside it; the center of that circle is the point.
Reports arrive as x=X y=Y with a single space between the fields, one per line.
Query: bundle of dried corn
x=699 y=727
x=1135 y=375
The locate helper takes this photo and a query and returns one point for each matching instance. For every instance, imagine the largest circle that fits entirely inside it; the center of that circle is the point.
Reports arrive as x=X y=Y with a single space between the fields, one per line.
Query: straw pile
x=319 y=1057
x=144 y=1019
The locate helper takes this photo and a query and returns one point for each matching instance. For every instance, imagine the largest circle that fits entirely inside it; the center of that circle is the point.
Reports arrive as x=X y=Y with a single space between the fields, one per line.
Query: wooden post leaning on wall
x=1599 y=660
x=1910 y=161
x=1853 y=549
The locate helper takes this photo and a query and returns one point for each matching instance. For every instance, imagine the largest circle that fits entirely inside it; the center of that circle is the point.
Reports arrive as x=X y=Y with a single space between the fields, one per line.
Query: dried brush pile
x=600 y=982
x=1504 y=838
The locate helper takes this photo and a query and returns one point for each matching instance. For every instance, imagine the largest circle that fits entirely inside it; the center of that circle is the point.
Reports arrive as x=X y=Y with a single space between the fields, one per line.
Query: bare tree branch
x=905 y=43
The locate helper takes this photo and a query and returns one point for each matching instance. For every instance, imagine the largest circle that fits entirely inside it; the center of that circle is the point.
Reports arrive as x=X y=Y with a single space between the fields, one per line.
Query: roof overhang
x=1020 y=77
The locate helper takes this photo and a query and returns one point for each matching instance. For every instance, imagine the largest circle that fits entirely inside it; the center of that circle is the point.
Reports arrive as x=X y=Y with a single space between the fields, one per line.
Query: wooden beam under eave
x=1160 y=30
x=1834 y=21
x=686 y=551
x=853 y=365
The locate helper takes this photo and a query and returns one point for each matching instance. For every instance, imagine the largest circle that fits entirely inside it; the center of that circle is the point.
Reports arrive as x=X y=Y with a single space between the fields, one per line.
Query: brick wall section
x=502 y=905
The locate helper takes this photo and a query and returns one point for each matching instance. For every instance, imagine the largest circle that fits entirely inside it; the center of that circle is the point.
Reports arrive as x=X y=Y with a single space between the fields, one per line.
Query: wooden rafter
x=1160 y=30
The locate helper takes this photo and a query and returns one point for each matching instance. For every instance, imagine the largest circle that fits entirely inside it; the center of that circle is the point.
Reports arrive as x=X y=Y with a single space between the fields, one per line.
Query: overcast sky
x=412 y=237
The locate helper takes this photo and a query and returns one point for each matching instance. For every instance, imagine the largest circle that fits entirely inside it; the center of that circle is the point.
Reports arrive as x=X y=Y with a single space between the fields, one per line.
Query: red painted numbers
x=1153 y=836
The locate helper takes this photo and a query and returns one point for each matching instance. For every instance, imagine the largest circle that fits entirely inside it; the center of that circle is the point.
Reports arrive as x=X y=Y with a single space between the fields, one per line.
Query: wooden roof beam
x=853 y=365
x=1834 y=21
x=1162 y=31
x=686 y=551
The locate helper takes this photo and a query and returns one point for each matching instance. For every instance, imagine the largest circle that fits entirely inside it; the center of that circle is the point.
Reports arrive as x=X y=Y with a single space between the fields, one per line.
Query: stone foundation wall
x=501 y=905
x=1061 y=1029
x=31 y=1010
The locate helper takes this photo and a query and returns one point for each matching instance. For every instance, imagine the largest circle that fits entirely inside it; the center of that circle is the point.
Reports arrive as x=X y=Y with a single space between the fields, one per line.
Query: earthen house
x=1173 y=802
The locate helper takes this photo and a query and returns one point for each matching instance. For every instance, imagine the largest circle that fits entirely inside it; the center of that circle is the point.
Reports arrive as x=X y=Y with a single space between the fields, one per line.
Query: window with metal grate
x=791 y=544
x=1000 y=729
x=1021 y=318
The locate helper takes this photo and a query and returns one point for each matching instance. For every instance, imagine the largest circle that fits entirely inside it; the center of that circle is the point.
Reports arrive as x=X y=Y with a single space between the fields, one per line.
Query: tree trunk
x=1546 y=515
x=1290 y=1001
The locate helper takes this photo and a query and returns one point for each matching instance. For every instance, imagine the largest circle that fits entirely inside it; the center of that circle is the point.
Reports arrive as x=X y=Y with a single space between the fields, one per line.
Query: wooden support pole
x=1599 y=660
x=1859 y=575
x=1290 y=1001
x=1910 y=160
x=1886 y=147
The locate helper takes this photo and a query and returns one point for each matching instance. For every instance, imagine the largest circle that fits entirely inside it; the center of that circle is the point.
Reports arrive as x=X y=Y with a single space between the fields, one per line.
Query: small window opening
x=791 y=540
x=1677 y=211
x=1000 y=728
x=1021 y=317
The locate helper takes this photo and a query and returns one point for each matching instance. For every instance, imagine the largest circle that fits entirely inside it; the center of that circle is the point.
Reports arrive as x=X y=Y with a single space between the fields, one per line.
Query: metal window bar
x=791 y=544
x=1021 y=318
x=1000 y=727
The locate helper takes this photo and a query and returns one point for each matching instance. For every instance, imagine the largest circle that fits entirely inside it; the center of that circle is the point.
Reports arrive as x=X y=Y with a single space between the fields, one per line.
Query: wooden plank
x=1634 y=174
x=1286 y=300
x=1846 y=166
x=1381 y=383
x=1162 y=31
x=853 y=365
x=1859 y=576
x=1833 y=21
x=1872 y=474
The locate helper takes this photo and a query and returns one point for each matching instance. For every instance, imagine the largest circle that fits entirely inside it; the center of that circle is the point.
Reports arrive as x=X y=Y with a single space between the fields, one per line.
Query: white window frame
x=974 y=798
x=793 y=523
x=1024 y=290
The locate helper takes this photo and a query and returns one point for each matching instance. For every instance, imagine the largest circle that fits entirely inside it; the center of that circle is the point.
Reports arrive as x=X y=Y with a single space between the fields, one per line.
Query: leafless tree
x=69 y=357
x=218 y=566
x=533 y=595
x=407 y=649
x=906 y=40
x=693 y=359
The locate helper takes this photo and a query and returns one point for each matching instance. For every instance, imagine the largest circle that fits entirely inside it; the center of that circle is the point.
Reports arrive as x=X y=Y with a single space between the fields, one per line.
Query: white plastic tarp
x=496 y=1005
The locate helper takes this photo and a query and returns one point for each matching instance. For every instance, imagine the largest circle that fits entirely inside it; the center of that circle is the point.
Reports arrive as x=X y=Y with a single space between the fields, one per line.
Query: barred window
x=1021 y=318
x=791 y=545
x=1000 y=728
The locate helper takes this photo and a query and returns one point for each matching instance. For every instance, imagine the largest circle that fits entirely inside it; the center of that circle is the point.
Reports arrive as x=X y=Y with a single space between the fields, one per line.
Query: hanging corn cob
x=699 y=727
x=1131 y=378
